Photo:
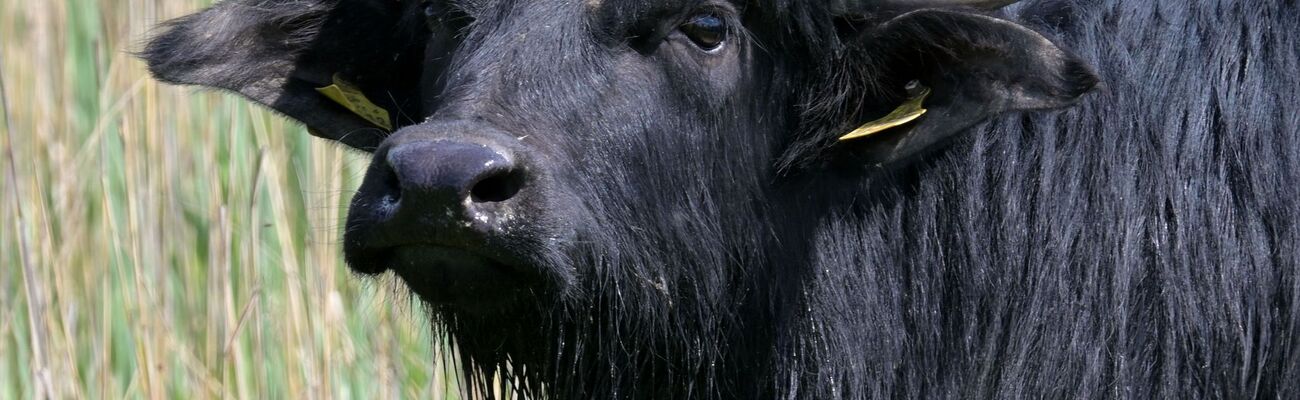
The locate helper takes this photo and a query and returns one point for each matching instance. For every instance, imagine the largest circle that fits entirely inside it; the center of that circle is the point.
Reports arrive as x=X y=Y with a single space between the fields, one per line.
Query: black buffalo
x=648 y=199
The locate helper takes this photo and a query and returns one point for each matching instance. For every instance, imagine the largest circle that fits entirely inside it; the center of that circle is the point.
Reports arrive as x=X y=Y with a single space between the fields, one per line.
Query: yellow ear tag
x=908 y=112
x=351 y=98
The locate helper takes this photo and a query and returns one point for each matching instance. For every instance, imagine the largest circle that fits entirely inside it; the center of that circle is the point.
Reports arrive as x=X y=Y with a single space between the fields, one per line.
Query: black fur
x=704 y=235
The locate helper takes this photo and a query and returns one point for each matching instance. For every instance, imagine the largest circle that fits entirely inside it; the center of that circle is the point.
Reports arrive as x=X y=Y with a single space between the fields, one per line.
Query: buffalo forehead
x=629 y=11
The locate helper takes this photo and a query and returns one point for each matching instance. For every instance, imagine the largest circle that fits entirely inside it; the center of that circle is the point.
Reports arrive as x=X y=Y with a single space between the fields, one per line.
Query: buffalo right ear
x=963 y=67
x=349 y=70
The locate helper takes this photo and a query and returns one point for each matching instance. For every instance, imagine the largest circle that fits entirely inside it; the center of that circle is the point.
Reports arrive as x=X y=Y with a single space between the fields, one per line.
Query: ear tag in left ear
x=350 y=97
x=911 y=109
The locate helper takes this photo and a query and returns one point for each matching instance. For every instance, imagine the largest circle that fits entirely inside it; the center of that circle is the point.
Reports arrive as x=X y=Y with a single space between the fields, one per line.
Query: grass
x=163 y=242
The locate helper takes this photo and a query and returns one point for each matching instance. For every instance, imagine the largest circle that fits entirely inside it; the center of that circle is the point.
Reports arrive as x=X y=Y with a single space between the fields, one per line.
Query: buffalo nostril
x=430 y=176
x=392 y=185
x=498 y=186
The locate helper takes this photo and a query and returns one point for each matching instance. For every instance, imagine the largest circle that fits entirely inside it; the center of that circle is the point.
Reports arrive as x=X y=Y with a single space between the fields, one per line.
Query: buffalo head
x=607 y=194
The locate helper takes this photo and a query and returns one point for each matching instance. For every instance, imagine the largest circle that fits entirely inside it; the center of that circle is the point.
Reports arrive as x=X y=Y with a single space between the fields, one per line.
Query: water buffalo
x=662 y=199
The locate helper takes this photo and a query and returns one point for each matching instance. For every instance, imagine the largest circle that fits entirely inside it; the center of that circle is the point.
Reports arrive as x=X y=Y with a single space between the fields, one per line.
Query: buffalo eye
x=708 y=31
x=433 y=14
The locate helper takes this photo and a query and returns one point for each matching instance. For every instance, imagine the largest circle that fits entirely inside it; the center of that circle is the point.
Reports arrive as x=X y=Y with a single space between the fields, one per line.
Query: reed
x=162 y=242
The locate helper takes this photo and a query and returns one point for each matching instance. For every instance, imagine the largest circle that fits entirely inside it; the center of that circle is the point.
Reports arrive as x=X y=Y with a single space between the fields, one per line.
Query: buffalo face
x=551 y=144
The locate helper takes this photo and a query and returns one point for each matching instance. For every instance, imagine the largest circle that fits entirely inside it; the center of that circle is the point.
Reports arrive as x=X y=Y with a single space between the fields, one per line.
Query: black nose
x=446 y=203
x=451 y=177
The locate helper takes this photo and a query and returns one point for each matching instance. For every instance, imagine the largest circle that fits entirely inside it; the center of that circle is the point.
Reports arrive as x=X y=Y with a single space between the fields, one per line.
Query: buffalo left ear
x=348 y=70
x=974 y=67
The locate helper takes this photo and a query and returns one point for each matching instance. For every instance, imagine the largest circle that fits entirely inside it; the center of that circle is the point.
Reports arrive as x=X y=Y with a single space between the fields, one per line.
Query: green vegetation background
x=163 y=242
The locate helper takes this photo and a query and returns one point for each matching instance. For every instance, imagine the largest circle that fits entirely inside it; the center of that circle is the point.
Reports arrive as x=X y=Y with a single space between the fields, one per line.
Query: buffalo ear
x=975 y=66
x=279 y=53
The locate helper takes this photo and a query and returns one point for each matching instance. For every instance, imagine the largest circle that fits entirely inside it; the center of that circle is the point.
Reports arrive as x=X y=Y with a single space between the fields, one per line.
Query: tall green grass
x=163 y=242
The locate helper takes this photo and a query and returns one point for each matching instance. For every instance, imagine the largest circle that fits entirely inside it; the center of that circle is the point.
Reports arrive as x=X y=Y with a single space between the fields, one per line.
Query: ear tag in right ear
x=911 y=109
x=350 y=97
